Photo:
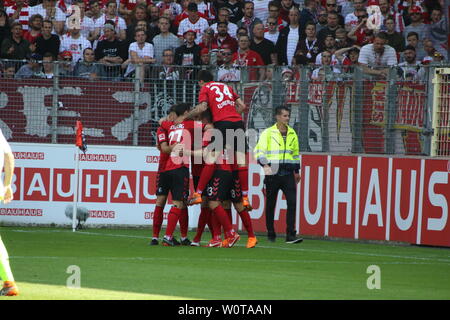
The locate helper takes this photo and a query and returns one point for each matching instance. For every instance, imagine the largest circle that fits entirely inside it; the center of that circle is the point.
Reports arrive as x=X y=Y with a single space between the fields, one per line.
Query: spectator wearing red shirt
x=126 y=7
x=361 y=34
x=34 y=30
x=245 y=57
x=222 y=37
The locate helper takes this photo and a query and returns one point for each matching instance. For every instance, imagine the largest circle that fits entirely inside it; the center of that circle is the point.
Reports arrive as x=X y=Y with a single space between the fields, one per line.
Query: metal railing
x=333 y=109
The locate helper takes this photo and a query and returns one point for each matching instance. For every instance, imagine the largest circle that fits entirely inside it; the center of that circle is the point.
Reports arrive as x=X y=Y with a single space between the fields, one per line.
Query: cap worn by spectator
x=66 y=54
x=35 y=57
x=286 y=71
x=204 y=51
x=190 y=30
x=416 y=9
x=372 y=3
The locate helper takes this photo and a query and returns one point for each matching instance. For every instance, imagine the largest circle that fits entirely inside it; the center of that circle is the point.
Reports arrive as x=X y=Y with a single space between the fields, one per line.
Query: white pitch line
x=265 y=247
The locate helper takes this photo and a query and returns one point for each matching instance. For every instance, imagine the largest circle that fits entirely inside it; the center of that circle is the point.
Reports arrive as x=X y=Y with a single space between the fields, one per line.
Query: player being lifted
x=223 y=103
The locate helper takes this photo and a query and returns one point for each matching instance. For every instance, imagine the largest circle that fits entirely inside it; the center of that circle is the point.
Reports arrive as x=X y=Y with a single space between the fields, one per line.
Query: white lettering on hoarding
x=21 y=212
x=373 y=208
x=256 y=191
x=99 y=186
x=343 y=197
x=59 y=185
x=313 y=218
x=438 y=200
x=123 y=187
x=37 y=185
x=404 y=224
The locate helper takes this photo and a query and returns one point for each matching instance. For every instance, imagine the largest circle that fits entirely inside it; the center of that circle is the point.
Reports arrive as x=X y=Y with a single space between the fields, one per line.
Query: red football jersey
x=178 y=133
x=161 y=137
x=221 y=100
x=197 y=163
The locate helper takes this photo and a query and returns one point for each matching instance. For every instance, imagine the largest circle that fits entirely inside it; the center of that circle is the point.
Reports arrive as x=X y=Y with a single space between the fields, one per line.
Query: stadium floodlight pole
x=75 y=192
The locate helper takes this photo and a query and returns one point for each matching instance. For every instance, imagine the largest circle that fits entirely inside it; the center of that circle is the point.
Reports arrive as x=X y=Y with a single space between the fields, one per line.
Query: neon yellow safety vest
x=271 y=148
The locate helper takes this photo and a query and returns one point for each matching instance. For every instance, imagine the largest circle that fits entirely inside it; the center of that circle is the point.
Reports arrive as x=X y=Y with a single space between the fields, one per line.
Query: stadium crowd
x=107 y=38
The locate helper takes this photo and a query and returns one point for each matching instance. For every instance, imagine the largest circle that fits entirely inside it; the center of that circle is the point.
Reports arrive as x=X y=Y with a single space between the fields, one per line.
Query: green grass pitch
x=119 y=264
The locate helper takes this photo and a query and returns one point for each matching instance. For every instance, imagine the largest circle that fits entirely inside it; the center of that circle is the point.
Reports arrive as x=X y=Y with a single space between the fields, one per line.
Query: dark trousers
x=287 y=185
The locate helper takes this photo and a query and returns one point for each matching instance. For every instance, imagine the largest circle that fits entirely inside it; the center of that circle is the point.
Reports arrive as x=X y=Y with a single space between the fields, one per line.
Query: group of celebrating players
x=210 y=139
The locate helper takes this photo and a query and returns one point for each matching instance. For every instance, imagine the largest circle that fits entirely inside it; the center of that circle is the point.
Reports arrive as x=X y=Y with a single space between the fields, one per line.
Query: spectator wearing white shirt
x=224 y=16
x=374 y=58
x=288 y=39
x=139 y=52
x=75 y=43
x=410 y=69
x=49 y=10
x=261 y=9
x=111 y=14
x=165 y=40
x=326 y=61
x=351 y=19
x=272 y=32
x=193 y=22
x=248 y=20
x=87 y=24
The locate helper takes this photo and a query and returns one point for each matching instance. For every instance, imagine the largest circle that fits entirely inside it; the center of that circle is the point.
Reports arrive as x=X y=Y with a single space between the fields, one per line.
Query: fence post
x=357 y=111
x=303 y=131
x=137 y=88
x=427 y=130
x=55 y=103
x=391 y=112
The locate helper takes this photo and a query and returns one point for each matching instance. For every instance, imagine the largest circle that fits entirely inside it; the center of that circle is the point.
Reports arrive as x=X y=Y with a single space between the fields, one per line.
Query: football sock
x=5 y=269
x=206 y=175
x=172 y=220
x=184 y=223
x=202 y=221
x=247 y=222
x=230 y=215
x=243 y=178
x=215 y=227
x=222 y=216
x=157 y=221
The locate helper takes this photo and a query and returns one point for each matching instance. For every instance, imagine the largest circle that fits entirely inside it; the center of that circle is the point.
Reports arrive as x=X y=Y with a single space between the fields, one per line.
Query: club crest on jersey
x=162 y=136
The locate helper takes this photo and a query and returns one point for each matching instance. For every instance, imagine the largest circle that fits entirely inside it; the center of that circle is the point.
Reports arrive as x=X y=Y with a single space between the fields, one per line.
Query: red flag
x=80 y=141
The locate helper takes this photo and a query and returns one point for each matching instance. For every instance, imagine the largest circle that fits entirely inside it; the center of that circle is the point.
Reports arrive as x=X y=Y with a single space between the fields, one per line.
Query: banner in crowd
x=372 y=198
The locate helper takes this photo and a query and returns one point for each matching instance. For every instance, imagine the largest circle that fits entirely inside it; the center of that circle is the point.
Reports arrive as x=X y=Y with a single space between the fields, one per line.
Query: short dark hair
x=279 y=109
x=205 y=75
x=222 y=22
x=181 y=108
x=410 y=47
x=274 y=4
x=49 y=54
x=381 y=35
x=413 y=33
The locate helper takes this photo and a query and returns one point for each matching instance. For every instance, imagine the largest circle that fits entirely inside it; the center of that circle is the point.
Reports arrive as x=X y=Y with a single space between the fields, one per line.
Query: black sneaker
x=170 y=242
x=176 y=242
x=293 y=239
x=154 y=242
x=186 y=242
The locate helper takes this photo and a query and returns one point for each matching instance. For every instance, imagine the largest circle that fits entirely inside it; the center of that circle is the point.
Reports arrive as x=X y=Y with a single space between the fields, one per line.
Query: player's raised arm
x=240 y=105
x=196 y=111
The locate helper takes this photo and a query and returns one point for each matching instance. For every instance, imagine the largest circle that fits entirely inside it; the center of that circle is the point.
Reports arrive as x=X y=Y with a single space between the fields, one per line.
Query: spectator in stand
x=224 y=16
x=286 y=6
x=9 y=71
x=153 y=16
x=47 y=42
x=272 y=32
x=66 y=65
x=410 y=69
x=87 y=68
x=47 y=66
x=308 y=47
x=288 y=39
x=75 y=43
x=308 y=14
x=34 y=29
x=139 y=52
x=111 y=14
x=205 y=58
x=193 y=22
x=321 y=19
x=342 y=40
x=50 y=11
x=110 y=52
x=164 y=40
x=331 y=6
x=167 y=70
x=264 y=47
x=347 y=7
x=208 y=39
x=168 y=14
x=329 y=45
x=126 y=8
x=361 y=34
x=236 y=8
x=87 y=23
x=20 y=12
x=377 y=56
x=395 y=39
x=245 y=57
x=242 y=32
x=348 y=57
x=139 y=16
x=430 y=51
x=222 y=37
x=15 y=47
x=386 y=13
x=228 y=71
x=249 y=19
x=439 y=31
x=5 y=31
x=189 y=53
x=31 y=68
x=274 y=13
x=325 y=61
x=417 y=25
x=412 y=39
x=95 y=13
x=351 y=19
x=332 y=26
x=261 y=9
